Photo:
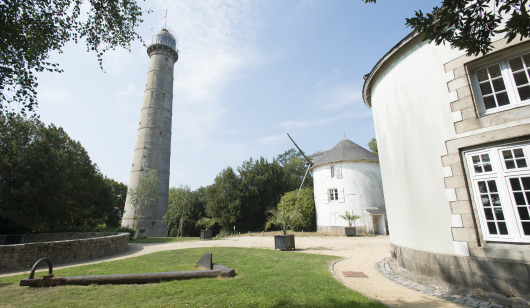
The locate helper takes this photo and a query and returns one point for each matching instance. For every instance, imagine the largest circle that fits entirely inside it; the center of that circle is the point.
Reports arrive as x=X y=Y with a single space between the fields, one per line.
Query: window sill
x=504 y=108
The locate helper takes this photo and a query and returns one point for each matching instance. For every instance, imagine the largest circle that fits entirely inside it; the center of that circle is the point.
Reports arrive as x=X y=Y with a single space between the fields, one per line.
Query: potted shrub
x=206 y=223
x=285 y=220
x=350 y=218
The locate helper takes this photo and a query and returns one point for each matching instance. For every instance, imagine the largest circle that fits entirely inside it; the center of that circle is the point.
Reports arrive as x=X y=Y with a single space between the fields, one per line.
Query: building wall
x=426 y=119
x=411 y=112
x=359 y=188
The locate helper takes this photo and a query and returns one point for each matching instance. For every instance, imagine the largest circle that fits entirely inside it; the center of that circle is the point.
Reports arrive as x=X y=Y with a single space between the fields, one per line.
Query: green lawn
x=265 y=278
x=158 y=240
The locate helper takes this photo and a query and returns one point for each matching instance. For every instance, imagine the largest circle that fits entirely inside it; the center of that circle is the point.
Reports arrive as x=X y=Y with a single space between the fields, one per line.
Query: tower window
x=333 y=194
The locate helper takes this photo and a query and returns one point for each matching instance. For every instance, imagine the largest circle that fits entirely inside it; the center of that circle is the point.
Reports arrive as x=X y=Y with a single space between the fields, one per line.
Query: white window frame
x=333 y=194
x=501 y=176
x=509 y=82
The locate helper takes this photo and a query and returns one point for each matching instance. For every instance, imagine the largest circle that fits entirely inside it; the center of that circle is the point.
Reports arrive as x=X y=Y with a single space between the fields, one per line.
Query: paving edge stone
x=383 y=267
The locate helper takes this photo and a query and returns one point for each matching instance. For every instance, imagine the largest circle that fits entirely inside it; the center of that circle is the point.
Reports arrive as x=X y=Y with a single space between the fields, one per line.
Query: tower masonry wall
x=153 y=142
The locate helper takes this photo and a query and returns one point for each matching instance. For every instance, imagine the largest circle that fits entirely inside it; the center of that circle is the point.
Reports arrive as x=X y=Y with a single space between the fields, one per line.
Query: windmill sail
x=308 y=162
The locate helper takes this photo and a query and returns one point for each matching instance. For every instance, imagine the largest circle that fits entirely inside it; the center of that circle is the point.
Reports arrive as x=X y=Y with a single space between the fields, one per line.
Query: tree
x=372 y=145
x=350 y=218
x=47 y=180
x=283 y=219
x=33 y=29
x=117 y=194
x=262 y=185
x=304 y=203
x=243 y=199
x=144 y=196
x=185 y=207
x=294 y=167
x=223 y=199
x=470 y=24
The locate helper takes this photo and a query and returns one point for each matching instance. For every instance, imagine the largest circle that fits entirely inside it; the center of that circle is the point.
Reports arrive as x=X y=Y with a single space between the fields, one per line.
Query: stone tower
x=153 y=142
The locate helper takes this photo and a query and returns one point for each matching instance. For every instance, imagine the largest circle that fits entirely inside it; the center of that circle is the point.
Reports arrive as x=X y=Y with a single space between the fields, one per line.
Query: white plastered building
x=347 y=178
x=453 y=135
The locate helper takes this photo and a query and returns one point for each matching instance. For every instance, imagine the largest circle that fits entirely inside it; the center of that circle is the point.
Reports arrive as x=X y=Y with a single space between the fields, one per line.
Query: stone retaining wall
x=23 y=256
x=49 y=237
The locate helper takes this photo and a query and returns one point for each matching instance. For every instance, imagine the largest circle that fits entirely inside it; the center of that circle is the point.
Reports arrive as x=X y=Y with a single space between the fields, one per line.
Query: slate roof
x=345 y=150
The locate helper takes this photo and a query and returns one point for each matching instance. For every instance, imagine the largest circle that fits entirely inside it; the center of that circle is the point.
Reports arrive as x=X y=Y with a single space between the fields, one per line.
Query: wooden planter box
x=350 y=231
x=206 y=234
x=284 y=242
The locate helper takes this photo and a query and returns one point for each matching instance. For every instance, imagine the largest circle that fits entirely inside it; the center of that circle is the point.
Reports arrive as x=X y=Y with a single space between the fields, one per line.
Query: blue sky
x=248 y=73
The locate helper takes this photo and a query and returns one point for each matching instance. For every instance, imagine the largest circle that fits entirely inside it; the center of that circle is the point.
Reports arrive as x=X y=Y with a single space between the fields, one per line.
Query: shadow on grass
x=312 y=248
x=331 y=303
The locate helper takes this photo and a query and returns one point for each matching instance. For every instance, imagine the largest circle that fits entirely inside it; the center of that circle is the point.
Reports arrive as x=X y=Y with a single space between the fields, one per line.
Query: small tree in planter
x=206 y=223
x=350 y=218
x=285 y=220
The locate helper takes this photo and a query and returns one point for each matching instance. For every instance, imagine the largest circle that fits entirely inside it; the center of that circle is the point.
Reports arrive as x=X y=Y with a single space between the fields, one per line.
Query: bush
x=304 y=203
x=132 y=232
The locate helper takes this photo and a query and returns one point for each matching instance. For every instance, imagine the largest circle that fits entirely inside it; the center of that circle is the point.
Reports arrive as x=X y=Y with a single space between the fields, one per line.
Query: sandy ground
x=359 y=255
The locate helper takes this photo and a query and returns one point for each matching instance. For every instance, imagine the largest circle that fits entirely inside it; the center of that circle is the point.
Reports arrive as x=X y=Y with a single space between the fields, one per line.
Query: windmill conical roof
x=345 y=150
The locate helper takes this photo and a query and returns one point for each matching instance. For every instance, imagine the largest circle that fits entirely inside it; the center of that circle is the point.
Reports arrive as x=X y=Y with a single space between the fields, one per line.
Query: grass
x=159 y=240
x=265 y=278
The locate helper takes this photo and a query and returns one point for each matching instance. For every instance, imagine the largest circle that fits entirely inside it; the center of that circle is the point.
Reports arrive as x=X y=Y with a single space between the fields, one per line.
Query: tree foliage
x=47 y=180
x=117 y=192
x=187 y=206
x=470 y=24
x=304 y=203
x=294 y=166
x=223 y=198
x=243 y=198
x=372 y=145
x=144 y=196
x=262 y=185
x=284 y=219
x=33 y=29
x=350 y=218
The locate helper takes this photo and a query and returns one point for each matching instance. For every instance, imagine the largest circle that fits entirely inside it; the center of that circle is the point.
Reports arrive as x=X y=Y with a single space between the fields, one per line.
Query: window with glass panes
x=333 y=194
x=502 y=85
x=500 y=183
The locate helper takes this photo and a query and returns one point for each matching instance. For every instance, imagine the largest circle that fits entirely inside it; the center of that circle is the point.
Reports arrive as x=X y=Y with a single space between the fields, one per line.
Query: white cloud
x=54 y=93
x=341 y=96
x=318 y=122
x=131 y=90
x=274 y=139
x=332 y=104
x=216 y=44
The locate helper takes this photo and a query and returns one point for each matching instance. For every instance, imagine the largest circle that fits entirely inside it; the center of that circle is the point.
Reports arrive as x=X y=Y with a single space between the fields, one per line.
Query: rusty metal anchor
x=211 y=270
